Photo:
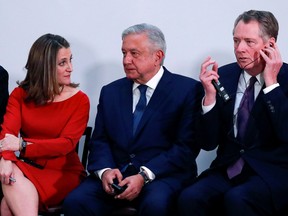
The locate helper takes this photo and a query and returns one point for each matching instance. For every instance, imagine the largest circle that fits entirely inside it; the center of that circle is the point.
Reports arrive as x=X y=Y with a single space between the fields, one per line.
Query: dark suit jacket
x=265 y=145
x=164 y=140
x=4 y=92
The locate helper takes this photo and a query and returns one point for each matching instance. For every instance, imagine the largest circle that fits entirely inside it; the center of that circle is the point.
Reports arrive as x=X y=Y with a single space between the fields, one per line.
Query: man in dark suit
x=4 y=92
x=258 y=185
x=156 y=158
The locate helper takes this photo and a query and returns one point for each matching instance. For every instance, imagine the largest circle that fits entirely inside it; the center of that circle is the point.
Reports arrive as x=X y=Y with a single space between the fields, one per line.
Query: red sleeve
x=12 y=120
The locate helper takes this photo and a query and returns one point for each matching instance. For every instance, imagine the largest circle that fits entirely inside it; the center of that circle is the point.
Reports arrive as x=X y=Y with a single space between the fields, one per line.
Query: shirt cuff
x=150 y=174
x=270 y=88
x=99 y=173
x=206 y=109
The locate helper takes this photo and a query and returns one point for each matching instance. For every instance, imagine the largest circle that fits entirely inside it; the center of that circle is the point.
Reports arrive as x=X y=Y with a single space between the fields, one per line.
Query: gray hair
x=268 y=24
x=154 y=34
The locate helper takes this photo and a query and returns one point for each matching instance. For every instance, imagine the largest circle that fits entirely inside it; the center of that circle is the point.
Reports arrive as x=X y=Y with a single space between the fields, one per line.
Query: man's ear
x=272 y=41
x=159 y=56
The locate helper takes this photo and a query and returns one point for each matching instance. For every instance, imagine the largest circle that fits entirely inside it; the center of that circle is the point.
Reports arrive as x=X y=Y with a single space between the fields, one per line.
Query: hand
x=134 y=185
x=10 y=142
x=6 y=171
x=108 y=177
x=206 y=77
x=272 y=57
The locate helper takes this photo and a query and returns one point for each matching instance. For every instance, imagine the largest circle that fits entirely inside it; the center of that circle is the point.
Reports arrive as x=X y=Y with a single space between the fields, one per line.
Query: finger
x=207 y=59
x=123 y=182
x=264 y=56
x=213 y=70
x=109 y=189
x=205 y=64
x=119 y=177
x=210 y=76
x=5 y=180
x=215 y=67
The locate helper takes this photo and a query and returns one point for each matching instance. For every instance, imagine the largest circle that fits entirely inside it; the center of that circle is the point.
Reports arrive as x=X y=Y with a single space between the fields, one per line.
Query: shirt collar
x=153 y=82
x=259 y=77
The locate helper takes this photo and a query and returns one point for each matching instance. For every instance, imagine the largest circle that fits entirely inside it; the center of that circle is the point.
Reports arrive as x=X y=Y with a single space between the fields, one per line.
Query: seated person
x=50 y=114
x=250 y=172
x=149 y=147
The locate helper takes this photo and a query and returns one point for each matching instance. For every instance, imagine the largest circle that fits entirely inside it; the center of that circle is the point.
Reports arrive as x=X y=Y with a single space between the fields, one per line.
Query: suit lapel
x=231 y=84
x=125 y=104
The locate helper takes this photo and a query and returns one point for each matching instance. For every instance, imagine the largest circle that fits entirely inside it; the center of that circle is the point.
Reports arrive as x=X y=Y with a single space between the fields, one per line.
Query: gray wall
x=193 y=30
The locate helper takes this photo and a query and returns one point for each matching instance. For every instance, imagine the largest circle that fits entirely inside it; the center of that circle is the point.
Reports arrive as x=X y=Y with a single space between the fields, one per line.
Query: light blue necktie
x=140 y=107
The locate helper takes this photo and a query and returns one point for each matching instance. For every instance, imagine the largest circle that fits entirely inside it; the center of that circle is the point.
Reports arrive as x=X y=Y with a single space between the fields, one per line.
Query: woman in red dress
x=45 y=118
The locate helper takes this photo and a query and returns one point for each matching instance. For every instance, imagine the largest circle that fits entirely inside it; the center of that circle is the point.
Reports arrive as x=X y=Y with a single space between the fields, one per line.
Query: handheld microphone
x=221 y=91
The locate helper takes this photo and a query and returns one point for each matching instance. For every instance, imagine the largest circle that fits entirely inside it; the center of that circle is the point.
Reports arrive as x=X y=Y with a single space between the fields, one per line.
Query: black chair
x=87 y=134
x=57 y=210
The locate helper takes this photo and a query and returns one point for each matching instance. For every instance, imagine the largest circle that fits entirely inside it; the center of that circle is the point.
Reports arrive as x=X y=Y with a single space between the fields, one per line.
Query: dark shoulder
x=180 y=84
x=229 y=72
x=228 y=67
x=283 y=74
x=3 y=72
x=176 y=77
x=119 y=82
x=284 y=67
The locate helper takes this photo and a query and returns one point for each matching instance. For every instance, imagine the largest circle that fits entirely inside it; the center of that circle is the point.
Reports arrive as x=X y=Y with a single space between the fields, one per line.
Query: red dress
x=54 y=129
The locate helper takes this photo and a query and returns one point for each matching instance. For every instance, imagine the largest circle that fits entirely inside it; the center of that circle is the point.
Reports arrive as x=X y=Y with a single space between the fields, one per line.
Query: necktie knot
x=142 y=100
x=248 y=97
x=142 y=89
x=253 y=80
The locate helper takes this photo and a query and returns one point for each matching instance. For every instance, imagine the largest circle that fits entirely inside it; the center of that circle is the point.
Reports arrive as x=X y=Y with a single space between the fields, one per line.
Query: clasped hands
x=134 y=184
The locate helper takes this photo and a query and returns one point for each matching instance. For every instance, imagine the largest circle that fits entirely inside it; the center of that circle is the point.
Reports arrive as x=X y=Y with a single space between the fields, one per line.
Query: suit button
x=132 y=156
x=271 y=107
x=242 y=151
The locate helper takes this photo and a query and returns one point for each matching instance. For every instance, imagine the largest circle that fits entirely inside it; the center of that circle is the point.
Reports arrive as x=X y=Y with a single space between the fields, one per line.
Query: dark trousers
x=89 y=198
x=215 y=194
